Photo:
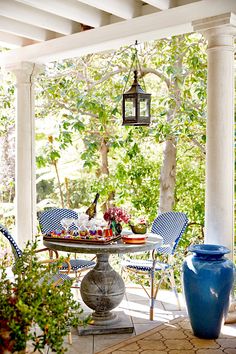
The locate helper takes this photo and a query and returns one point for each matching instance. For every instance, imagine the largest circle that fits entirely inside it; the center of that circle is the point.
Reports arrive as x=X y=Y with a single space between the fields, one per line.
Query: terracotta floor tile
x=148 y=343
x=153 y=351
x=210 y=351
x=181 y=351
x=204 y=343
x=227 y=342
x=178 y=344
x=134 y=347
x=172 y=333
x=230 y=351
x=124 y=351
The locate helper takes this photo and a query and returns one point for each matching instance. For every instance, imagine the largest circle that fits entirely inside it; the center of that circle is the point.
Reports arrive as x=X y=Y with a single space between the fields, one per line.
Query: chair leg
x=70 y=338
x=173 y=286
x=152 y=297
x=77 y=279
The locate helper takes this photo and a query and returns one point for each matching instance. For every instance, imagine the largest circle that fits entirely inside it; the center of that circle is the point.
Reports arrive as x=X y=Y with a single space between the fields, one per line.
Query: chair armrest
x=49 y=250
x=54 y=260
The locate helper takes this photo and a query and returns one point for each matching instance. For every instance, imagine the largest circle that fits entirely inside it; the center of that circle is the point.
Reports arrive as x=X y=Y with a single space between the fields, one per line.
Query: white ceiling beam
x=11 y=41
x=154 y=26
x=159 y=4
x=24 y=30
x=148 y=9
x=181 y=2
x=29 y=15
x=126 y=9
x=71 y=9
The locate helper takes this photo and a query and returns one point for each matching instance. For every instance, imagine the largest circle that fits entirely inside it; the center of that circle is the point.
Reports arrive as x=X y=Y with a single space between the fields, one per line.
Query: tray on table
x=90 y=241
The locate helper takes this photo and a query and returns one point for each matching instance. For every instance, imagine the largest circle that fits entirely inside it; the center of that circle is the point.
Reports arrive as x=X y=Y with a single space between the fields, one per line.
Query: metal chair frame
x=49 y=221
x=153 y=266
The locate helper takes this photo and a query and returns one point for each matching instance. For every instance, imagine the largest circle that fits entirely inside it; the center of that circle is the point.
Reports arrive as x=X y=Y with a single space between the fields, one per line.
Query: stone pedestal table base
x=102 y=290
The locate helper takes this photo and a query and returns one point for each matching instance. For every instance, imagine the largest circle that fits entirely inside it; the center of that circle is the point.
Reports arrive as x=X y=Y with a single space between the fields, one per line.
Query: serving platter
x=89 y=240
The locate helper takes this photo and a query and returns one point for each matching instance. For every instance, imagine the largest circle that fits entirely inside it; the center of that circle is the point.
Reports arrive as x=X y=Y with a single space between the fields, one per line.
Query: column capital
x=226 y=22
x=25 y=72
x=218 y=30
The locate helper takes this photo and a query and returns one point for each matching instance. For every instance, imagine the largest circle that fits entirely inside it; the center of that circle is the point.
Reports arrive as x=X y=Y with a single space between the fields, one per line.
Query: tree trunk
x=104 y=149
x=68 y=202
x=59 y=184
x=168 y=177
x=168 y=170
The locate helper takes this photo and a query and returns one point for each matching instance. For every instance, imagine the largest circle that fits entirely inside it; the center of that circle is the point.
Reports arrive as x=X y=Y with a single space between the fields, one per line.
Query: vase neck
x=210 y=257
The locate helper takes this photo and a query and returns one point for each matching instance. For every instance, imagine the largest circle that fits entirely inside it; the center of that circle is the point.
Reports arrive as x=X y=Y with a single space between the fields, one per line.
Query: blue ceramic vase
x=208 y=279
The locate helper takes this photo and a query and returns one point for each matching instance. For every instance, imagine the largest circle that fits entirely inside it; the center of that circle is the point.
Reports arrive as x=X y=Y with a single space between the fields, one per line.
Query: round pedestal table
x=102 y=288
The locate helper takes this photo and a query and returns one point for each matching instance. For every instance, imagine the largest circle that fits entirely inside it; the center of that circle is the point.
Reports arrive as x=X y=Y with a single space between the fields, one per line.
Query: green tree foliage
x=7 y=127
x=82 y=148
x=84 y=98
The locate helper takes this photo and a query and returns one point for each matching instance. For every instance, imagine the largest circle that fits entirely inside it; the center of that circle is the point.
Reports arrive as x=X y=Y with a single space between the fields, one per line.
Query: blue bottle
x=208 y=279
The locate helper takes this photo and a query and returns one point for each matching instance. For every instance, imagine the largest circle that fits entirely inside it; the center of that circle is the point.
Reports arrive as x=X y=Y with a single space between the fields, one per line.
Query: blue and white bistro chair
x=50 y=220
x=17 y=253
x=171 y=226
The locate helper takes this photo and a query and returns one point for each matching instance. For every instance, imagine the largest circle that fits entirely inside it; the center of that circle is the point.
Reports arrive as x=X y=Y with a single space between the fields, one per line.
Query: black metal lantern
x=136 y=105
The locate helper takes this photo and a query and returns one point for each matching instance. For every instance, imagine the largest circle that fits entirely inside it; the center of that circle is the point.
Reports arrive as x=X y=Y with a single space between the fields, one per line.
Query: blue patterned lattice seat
x=170 y=226
x=50 y=220
x=18 y=253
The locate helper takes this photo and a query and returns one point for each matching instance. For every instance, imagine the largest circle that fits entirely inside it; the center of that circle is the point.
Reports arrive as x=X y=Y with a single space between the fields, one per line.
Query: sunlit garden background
x=82 y=147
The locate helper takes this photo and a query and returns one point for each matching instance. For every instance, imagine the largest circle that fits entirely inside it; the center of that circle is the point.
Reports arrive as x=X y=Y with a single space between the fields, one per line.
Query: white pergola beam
x=154 y=26
x=148 y=9
x=27 y=14
x=12 y=41
x=24 y=30
x=126 y=9
x=159 y=4
x=71 y=9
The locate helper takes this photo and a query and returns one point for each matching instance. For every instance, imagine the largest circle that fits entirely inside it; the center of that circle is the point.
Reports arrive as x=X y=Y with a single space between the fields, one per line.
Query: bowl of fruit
x=139 y=226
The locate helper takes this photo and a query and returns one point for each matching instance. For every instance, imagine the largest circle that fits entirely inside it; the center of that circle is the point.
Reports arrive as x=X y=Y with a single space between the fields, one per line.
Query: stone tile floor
x=175 y=337
x=136 y=305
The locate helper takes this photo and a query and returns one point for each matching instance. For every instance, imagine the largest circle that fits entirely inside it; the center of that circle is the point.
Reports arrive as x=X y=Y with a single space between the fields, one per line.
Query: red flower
x=117 y=214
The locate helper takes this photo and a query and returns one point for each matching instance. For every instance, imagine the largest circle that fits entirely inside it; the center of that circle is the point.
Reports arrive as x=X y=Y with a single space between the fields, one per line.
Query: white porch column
x=25 y=201
x=219 y=202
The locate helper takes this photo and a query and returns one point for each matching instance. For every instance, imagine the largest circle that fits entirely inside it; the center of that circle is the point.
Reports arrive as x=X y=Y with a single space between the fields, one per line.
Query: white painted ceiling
x=24 y=22
x=45 y=30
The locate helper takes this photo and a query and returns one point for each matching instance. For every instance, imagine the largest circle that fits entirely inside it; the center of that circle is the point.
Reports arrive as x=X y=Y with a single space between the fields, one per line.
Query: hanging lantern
x=136 y=103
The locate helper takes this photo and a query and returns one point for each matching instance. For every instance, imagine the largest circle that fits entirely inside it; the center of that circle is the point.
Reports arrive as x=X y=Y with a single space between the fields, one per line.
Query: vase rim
x=209 y=249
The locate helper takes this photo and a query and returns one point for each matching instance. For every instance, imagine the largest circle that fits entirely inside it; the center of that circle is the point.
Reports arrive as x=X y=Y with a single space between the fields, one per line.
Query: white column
x=25 y=200
x=219 y=201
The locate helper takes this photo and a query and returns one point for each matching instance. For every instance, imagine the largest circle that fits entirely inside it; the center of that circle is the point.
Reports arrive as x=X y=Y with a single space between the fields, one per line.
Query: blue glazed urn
x=207 y=279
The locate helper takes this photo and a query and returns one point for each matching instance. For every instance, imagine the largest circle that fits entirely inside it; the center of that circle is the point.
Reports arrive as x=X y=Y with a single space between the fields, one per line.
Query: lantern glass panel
x=143 y=107
x=130 y=107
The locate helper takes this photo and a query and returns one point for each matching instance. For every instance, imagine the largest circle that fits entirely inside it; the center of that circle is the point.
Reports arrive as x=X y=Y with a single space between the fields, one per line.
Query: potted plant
x=33 y=308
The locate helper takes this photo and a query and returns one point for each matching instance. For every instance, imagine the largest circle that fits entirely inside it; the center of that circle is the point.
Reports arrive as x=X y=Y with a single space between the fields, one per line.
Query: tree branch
x=201 y=147
x=145 y=71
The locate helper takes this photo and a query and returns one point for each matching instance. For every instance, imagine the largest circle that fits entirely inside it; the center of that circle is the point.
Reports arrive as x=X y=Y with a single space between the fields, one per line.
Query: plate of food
x=134 y=238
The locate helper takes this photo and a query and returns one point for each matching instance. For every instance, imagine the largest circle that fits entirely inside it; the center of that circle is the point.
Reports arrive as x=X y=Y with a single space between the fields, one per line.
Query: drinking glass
x=66 y=223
